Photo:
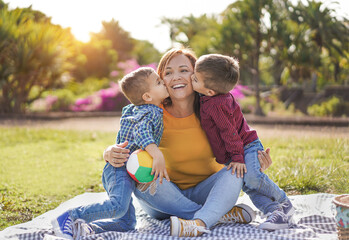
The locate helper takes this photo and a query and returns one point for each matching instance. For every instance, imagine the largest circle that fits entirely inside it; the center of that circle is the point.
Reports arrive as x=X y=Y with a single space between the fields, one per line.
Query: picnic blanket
x=314 y=219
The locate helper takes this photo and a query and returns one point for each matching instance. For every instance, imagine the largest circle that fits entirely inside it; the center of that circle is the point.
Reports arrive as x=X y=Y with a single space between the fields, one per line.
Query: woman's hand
x=116 y=154
x=264 y=159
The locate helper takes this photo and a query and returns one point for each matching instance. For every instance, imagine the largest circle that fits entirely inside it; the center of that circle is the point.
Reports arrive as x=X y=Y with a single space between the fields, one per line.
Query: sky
x=141 y=18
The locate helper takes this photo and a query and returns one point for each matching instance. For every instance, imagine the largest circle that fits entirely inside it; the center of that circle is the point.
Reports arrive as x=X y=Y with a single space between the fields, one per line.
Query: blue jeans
x=263 y=192
x=116 y=213
x=209 y=200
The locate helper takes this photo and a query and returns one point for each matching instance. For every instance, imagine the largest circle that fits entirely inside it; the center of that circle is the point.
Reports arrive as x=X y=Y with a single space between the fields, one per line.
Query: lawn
x=40 y=168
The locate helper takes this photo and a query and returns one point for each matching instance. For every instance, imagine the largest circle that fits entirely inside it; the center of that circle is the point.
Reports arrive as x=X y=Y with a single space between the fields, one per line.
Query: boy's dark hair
x=134 y=85
x=220 y=72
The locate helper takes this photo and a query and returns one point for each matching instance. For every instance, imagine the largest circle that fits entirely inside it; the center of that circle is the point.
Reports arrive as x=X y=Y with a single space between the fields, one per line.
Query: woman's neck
x=181 y=108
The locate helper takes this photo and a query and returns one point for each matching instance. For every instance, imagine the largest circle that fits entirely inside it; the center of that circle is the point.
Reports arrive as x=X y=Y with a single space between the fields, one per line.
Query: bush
x=247 y=104
x=332 y=107
x=110 y=99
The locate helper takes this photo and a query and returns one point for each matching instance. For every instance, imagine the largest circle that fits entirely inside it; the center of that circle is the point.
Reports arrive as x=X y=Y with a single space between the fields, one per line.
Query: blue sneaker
x=63 y=226
x=276 y=220
x=287 y=208
x=81 y=229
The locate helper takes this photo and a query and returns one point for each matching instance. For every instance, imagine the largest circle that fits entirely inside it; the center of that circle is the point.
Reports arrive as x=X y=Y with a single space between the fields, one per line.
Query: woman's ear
x=146 y=97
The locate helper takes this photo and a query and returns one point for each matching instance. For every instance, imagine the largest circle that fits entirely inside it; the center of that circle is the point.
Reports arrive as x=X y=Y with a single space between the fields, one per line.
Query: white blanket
x=314 y=219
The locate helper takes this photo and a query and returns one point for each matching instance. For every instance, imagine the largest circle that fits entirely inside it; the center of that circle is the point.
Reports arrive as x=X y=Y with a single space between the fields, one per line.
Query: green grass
x=303 y=165
x=40 y=168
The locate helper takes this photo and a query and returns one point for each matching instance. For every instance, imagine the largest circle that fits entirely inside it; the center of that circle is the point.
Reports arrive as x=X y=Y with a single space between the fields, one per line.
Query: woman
x=201 y=191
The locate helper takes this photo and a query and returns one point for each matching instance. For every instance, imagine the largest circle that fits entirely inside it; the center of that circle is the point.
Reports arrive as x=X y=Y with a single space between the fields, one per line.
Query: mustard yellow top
x=188 y=155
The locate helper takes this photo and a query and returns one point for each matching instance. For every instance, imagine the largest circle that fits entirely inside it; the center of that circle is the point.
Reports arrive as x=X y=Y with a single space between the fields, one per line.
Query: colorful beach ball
x=139 y=166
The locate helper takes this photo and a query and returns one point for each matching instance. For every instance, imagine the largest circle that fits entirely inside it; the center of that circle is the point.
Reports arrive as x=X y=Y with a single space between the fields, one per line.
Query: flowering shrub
x=238 y=91
x=43 y=104
x=131 y=65
x=110 y=99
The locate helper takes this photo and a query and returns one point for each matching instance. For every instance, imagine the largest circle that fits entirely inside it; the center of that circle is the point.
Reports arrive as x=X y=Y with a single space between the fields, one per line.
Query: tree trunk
x=258 y=110
x=313 y=81
x=278 y=68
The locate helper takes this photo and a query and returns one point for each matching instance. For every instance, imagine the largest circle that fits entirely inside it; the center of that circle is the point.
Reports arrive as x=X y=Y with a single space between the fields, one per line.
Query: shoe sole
x=57 y=230
x=273 y=227
x=174 y=226
x=249 y=211
x=291 y=212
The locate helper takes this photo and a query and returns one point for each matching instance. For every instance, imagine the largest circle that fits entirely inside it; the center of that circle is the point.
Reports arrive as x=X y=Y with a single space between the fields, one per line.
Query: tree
x=243 y=31
x=120 y=39
x=34 y=54
x=195 y=32
x=330 y=35
x=145 y=52
x=100 y=58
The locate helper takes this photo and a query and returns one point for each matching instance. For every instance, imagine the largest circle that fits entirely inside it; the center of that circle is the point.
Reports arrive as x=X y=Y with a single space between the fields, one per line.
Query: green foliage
x=145 y=52
x=278 y=42
x=195 y=32
x=271 y=105
x=65 y=98
x=101 y=59
x=87 y=86
x=247 y=104
x=330 y=107
x=41 y=168
x=121 y=41
x=33 y=52
x=62 y=99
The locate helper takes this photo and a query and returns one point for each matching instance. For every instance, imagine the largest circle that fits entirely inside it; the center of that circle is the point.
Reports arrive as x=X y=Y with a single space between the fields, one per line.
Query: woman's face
x=177 y=77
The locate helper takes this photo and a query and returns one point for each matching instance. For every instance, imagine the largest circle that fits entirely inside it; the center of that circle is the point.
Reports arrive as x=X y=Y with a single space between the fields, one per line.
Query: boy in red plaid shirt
x=233 y=142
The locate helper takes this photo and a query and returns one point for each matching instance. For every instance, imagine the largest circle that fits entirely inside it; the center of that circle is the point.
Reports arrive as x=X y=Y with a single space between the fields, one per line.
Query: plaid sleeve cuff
x=145 y=142
x=238 y=158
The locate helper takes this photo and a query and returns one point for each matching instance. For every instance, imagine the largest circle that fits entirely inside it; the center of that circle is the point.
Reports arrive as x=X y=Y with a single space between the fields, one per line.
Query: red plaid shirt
x=225 y=127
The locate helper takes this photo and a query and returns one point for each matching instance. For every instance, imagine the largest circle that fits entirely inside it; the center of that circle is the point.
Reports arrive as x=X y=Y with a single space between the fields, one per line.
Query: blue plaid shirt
x=140 y=126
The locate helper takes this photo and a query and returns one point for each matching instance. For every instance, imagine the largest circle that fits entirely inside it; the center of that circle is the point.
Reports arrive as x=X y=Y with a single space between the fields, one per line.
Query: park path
x=111 y=124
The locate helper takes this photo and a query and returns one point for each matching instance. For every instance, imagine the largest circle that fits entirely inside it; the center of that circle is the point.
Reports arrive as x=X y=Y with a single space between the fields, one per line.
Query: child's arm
x=159 y=168
x=226 y=142
x=240 y=168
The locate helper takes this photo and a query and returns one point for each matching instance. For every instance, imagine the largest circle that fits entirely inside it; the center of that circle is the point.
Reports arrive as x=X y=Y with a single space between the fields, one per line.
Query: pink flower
x=114 y=73
x=238 y=91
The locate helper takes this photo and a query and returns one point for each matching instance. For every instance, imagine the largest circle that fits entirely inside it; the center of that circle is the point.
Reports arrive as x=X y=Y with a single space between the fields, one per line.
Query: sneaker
x=276 y=220
x=287 y=208
x=186 y=228
x=63 y=226
x=81 y=229
x=240 y=213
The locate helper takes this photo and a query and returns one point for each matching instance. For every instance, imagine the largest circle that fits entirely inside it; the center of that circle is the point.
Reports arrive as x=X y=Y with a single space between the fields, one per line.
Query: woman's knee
x=230 y=178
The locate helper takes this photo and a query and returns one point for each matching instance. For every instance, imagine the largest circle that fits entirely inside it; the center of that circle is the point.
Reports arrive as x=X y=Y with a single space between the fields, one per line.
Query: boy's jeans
x=209 y=200
x=116 y=213
x=264 y=193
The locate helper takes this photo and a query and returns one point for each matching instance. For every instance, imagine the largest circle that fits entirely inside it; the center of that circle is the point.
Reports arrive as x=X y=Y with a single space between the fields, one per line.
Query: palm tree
x=196 y=32
x=326 y=31
x=243 y=31
x=33 y=54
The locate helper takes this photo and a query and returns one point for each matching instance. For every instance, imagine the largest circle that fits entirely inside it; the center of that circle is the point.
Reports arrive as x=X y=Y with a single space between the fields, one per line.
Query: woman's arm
x=116 y=154
x=264 y=159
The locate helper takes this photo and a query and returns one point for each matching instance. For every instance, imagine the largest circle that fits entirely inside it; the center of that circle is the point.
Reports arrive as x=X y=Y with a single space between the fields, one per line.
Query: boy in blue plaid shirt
x=141 y=125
